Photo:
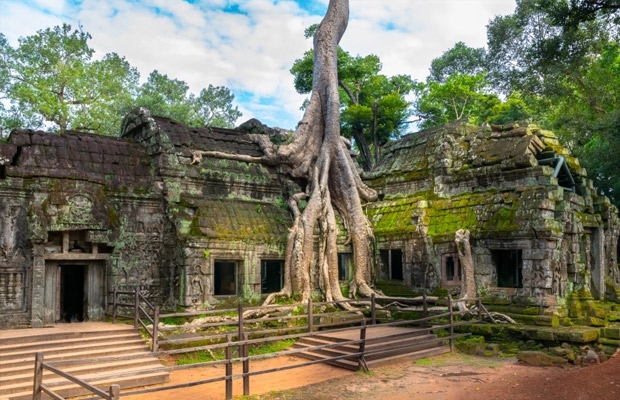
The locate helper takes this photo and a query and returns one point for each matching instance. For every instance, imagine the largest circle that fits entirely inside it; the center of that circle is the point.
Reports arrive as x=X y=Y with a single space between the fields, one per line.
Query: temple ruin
x=83 y=214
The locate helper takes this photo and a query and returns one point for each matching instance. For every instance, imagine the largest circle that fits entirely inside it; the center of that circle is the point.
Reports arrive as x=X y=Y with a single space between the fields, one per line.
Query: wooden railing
x=39 y=388
x=148 y=316
x=243 y=344
x=246 y=337
x=148 y=312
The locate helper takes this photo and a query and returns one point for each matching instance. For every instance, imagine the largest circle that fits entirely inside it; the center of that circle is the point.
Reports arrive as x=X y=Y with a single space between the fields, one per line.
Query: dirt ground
x=448 y=377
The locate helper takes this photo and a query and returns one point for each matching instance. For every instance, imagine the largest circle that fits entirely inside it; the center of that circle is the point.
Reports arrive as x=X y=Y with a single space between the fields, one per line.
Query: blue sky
x=250 y=45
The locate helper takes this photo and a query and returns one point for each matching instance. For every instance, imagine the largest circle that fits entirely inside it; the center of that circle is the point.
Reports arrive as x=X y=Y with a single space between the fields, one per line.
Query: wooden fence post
x=136 y=314
x=155 y=347
x=229 y=369
x=310 y=316
x=115 y=392
x=479 y=309
x=450 y=310
x=38 y=376
x=361 y=360
x=425 y=307
x=373 y=309
x=245 y=352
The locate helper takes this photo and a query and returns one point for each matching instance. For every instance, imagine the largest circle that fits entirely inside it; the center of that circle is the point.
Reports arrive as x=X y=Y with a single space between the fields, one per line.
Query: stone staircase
x=382 y=344
x=100 y=357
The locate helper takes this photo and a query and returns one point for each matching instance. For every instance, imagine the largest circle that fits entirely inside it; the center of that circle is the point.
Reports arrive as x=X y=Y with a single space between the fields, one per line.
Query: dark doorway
x=391 y=264
x=344 y=265
x=225 y=278
x=72 y=293
x=509 y=264
x=271 y=276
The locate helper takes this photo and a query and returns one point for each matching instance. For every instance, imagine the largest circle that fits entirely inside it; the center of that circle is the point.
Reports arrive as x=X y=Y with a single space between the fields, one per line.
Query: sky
x=249 y=46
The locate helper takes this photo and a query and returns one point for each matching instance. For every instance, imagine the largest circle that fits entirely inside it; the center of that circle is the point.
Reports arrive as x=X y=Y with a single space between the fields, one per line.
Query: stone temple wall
x=538 y=229
x=82 y=215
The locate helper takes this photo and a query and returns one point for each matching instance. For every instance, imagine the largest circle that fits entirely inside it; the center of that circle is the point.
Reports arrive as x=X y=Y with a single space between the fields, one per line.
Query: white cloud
x=251 y=51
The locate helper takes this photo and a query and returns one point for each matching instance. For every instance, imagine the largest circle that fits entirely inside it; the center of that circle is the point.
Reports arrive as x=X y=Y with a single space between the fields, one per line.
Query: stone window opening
x=391 y=264
x=344 y=266
x=272 y=276
x=561 y=170
x=2 y=172
x=226 y=278
x=509 y=268
x=451 y=269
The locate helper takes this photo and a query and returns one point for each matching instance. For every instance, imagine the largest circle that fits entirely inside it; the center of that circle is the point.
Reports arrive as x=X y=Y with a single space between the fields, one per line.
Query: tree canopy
x=52 y=80
x=555 y=63
x=563 y=56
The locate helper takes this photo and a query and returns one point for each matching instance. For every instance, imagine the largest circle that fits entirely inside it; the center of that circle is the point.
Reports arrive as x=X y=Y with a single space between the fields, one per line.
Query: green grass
x=219 y=354
x=271 y=347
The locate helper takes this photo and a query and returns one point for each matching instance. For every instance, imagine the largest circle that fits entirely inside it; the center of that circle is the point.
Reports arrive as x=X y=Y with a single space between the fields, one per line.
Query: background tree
x=461 y=97
x=562 y=57
x=214 y=107
x=51 y=78
x=168 y=97
x=374 y=106
x=460 y=59
x=458 y=88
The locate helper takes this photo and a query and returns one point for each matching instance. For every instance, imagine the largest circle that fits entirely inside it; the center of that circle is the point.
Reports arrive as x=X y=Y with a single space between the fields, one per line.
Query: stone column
x=597 y=253
x=37 y=319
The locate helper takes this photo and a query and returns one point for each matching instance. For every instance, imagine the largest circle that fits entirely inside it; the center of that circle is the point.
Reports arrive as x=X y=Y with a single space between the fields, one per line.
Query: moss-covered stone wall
x=516 y=189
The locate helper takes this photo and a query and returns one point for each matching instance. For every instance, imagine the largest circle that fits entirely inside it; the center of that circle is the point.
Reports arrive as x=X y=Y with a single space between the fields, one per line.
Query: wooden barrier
x=39 y=388
x=245 y=335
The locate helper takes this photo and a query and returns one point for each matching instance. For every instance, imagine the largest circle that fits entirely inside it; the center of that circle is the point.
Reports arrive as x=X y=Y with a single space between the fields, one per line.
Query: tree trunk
x=468 y=281
x=322 y=157
x=375 y=135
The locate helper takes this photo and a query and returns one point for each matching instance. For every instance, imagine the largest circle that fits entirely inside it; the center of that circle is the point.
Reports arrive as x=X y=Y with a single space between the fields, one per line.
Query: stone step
x=41 y=336
x=380 y=345
x=66 y=389
x=119 y=349
x=24 y=374
x=352 y=363
x=59 y=351
x=103 y=356
x=8 y=346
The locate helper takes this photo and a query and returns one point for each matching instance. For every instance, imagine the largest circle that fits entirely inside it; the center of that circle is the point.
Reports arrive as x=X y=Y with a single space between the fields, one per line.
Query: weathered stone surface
x=502 y=186
x=143 y=210
x=540 y=359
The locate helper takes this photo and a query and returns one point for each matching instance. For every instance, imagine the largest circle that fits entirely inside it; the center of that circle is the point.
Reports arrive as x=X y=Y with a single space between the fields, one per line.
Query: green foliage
x=214 y=107
x=461 y=97
x=51 y=77
x=458 y=60
x=52 y=80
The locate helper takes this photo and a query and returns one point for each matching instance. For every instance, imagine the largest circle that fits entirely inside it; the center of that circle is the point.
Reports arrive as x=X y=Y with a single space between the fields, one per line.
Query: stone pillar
x=37 y=319
x=597 y=254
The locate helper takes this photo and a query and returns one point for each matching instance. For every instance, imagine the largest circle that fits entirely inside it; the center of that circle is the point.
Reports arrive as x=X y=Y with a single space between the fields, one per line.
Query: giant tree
x=320 y=156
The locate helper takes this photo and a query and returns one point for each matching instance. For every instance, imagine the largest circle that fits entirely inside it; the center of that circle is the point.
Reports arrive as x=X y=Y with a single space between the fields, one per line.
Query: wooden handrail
x=244 y=341
x=39 y=388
